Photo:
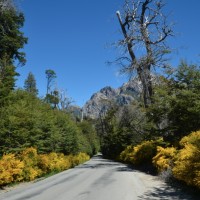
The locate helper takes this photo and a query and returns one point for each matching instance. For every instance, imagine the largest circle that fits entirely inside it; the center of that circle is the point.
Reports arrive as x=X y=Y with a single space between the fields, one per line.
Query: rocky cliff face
x=101 y=101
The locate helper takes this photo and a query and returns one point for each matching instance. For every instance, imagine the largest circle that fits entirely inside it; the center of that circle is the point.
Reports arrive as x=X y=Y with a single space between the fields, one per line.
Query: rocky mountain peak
x=108 y=91
x=100 y=101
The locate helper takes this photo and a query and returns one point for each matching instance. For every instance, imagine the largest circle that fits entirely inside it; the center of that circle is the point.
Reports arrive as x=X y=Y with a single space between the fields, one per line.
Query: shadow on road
x=98 y=162
x=169 y=191
x=166 y=193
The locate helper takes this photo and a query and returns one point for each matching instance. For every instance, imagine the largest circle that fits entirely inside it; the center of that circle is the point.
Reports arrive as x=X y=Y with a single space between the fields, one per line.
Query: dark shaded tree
x=89 y=135
x=124 y=125
x=176 y=110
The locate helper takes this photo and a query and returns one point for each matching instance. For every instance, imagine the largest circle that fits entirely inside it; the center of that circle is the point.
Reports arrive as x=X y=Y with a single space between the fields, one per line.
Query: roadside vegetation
x=160 y=130
x=165 y=136
x=38 y=135
x=182 y=163
x=29 y=165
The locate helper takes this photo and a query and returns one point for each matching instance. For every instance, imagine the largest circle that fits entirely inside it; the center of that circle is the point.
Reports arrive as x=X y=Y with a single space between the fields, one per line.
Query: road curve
x=97 y=179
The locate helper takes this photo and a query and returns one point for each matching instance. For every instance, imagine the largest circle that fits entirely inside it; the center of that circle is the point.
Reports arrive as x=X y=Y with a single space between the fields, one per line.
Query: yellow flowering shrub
x=10 y=169
x=127 y=155
x=53 y=162
x=79 y=158
x=187 y=164
x=144 y=152
x=29 y=165
x=140 y=154
x=193 y=138
x=59 y=162
x=164 y=158
x=44 y=163
x=30 y=159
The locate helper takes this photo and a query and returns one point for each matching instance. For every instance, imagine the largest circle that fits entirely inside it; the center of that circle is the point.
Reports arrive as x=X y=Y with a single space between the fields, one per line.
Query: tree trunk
x=145 y=77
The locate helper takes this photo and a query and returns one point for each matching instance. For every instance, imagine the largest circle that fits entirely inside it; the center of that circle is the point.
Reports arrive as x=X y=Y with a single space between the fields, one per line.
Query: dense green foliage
x=28 y=121
x=89 y=140
x=11 y=37
x=176 y=108
x=128 y=132
x=11 y=41
x=123 y=126
x=7 y=80
x=132 y=135
x=174 y=114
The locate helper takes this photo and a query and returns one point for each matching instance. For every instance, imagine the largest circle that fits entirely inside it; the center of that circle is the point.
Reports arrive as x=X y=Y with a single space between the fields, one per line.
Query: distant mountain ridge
x=101 y=100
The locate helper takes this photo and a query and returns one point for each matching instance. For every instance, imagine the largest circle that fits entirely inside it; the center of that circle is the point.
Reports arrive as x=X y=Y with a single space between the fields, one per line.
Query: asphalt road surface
x=97 y=179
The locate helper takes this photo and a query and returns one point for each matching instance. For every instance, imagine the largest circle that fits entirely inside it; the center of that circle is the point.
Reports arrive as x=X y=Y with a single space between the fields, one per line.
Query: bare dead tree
x=145 y=30
x=65 y=100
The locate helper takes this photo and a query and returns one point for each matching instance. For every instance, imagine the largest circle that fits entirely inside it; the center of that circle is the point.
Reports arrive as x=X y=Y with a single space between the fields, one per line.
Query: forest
x=36 y=137
x=158 y=132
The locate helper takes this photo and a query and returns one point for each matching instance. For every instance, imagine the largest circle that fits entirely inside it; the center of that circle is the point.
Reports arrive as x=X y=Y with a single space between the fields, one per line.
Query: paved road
x=98 y=179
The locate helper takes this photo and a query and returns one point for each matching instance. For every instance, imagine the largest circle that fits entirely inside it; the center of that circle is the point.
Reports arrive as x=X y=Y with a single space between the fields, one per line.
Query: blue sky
x=73 y=37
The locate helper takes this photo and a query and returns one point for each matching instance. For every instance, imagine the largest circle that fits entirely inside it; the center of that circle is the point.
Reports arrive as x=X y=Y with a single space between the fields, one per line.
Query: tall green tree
x=52 y=96
x=12 y=40
x=30 y=84
x=7 y=79
x=50 y=76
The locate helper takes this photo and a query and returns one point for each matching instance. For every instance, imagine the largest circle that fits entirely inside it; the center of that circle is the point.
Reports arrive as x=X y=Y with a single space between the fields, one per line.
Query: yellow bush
x=187 y=165
x=10 y=169
x=193 y=138
x=30 y=158
x=144 y=152
x=164 y=158
x=44 y=163
x=80 y=158
x=58 y=162
x=29 y=165
x=140 y=154
x=127 y=155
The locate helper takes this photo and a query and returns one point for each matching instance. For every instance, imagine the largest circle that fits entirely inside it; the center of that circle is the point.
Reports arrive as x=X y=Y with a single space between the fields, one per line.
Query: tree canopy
x=12 y=40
